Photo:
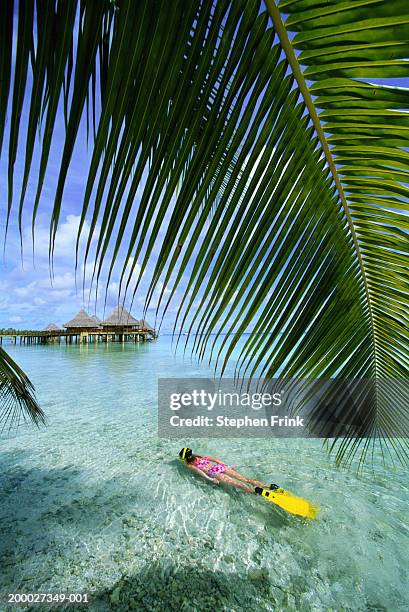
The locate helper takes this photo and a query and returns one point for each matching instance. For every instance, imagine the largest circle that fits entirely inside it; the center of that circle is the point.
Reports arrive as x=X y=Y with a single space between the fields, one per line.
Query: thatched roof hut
x=52 y=327
x=81 y=320
x=97 y=321
x=120 y=317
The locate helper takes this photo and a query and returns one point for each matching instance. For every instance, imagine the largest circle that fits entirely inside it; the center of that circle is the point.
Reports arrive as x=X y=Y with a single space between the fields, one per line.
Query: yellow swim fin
x=289 y=502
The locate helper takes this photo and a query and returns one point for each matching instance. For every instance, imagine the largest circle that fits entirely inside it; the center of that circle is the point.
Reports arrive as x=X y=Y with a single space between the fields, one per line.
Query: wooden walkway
x=78 y=337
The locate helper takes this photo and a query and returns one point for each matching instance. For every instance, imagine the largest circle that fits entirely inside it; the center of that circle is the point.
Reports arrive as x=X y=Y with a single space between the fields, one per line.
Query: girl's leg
x=232 y=482
x=258 y=483
x=231 y=472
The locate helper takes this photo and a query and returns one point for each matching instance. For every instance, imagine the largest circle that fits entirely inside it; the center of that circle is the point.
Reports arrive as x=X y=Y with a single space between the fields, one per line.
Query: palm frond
x=17 y=399
x=265 y=169
x=341 y=47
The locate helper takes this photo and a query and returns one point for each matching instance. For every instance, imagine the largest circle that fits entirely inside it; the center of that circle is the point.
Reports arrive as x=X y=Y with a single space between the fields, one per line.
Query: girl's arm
x=197 y=471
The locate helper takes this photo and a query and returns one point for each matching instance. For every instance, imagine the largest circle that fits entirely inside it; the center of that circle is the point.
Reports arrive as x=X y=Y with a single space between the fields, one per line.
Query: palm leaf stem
x=288 y=49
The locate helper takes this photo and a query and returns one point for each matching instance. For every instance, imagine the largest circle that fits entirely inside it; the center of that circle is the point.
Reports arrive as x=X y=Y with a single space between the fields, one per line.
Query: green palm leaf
x=242 y=151
x=17 y=398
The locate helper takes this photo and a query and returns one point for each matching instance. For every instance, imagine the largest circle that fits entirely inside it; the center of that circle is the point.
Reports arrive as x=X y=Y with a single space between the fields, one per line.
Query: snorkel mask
x=185 y=453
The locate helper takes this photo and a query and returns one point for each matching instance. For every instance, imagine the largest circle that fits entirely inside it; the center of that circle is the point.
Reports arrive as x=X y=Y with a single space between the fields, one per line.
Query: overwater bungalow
x=82 y=322
x=52 y=327
x=123 y=326
x=121 y=319
x=82 y=328
x=119 y=326
x=121 y=323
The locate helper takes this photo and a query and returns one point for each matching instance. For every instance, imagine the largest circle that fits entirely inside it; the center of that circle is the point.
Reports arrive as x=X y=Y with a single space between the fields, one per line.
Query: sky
x=29 y=299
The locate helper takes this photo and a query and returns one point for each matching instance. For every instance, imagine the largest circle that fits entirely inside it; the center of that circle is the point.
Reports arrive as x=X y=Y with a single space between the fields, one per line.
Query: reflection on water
x=96 y=503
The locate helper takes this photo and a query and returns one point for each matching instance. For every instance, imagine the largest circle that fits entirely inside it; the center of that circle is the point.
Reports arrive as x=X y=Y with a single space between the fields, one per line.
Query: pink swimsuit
x=217 y=468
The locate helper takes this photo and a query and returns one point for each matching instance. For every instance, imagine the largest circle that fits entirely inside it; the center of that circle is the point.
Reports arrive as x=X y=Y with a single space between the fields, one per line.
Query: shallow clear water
x=97 y=503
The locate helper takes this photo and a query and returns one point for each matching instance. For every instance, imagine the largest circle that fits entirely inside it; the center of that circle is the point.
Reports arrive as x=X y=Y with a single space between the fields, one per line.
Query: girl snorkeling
x=217 y=472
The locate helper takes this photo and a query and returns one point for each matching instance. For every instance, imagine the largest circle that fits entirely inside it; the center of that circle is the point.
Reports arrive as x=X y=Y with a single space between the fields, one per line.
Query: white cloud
x=59 y=281
x=136 y=272
x=26 y=290
x=65 y=240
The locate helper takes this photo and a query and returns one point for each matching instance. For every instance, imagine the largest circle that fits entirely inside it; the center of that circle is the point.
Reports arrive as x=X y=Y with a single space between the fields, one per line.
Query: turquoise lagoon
x=97 y=503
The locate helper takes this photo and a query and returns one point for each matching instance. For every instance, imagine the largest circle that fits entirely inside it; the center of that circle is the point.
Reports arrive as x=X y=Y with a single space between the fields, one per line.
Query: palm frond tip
x=17 y=399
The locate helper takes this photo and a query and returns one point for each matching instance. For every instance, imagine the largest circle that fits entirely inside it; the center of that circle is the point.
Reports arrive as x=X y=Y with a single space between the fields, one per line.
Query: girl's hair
x=186 y=455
